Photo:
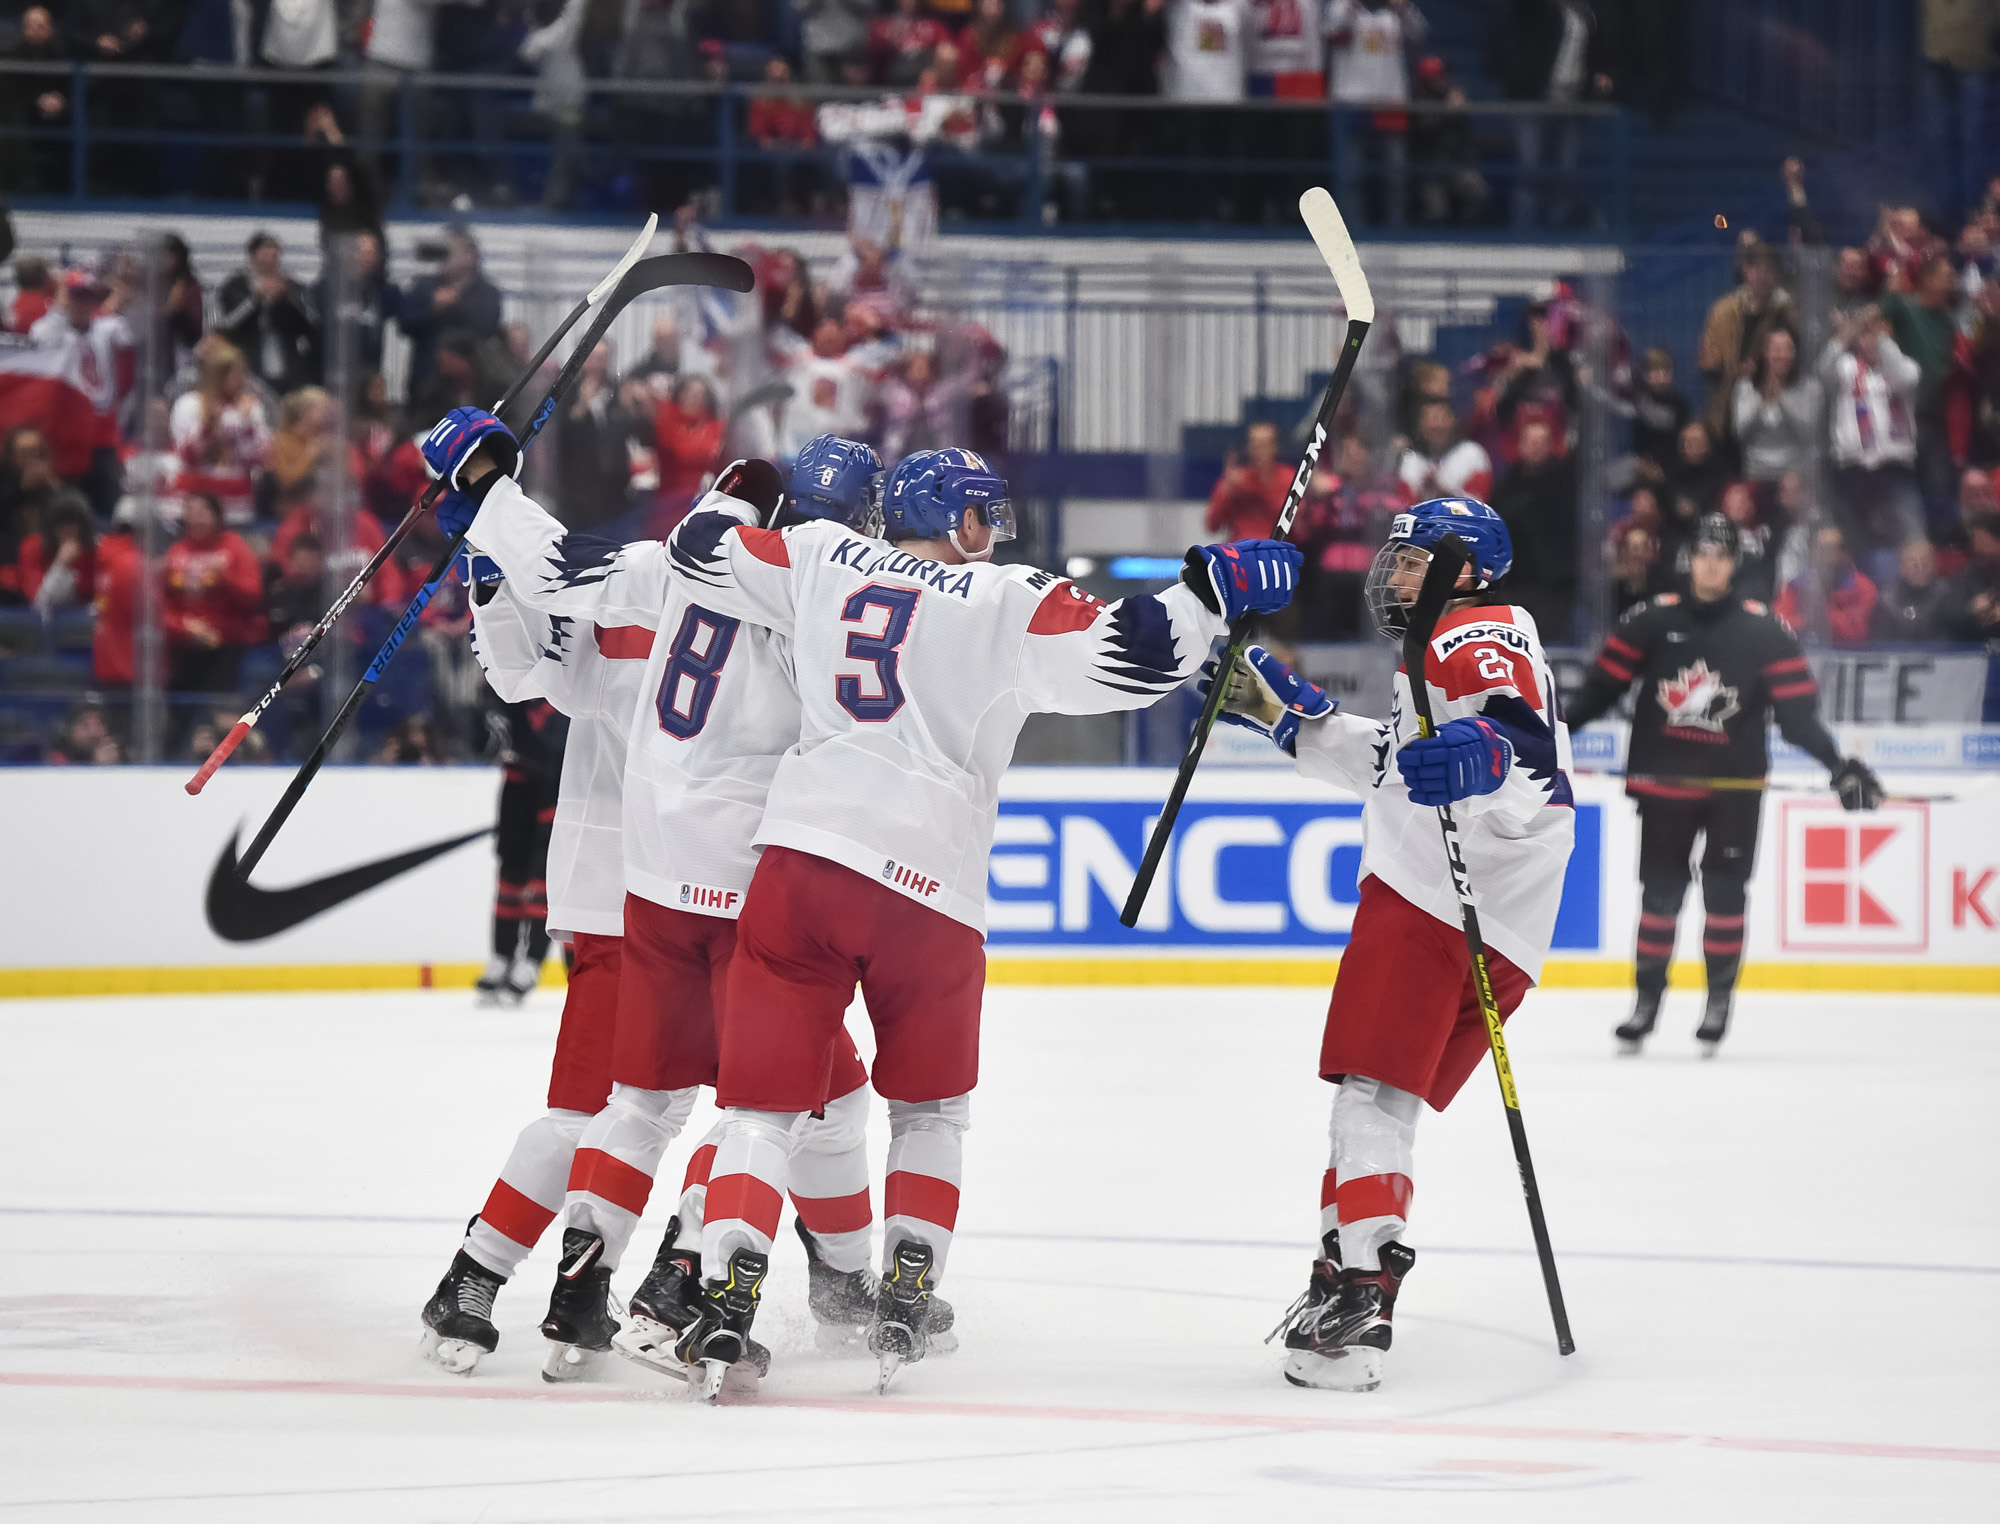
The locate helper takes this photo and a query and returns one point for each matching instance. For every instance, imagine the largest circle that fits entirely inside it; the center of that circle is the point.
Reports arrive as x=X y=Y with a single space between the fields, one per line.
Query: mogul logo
x=1855 y=882
x=906 y=878
x=1696 y=699
x=707 y=897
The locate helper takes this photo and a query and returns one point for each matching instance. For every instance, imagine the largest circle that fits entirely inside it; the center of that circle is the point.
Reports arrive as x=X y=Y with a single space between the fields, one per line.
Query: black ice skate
x=458 y=1319
x=1338 y=1332
x=1638 y=1026
x=520 y=982
x=718 y=1341
x=1714 y=1022
x=492 y=983
x=579 y=1325
x=842 y=1301
x=662 y=1307
x=909 y=1321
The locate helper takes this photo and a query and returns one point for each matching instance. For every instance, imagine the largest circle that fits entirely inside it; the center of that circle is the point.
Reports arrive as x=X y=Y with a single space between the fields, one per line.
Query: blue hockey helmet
x=1399 y=565
x=929 y=493
x=839 y=479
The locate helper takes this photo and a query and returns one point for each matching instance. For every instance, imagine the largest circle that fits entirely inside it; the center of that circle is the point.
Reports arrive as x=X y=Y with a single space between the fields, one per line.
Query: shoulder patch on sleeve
x=1065 y=607
x=767 y=545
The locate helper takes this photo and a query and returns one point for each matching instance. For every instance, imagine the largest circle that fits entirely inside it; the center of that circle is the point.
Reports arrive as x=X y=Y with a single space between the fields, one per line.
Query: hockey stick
x=340 y=605
x=1776 y=785
x=723 y=270
x=1448 y=559
x=1322 y=219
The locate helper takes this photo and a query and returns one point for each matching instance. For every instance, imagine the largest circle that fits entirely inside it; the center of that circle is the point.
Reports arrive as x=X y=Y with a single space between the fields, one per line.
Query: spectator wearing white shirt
x=1206 y=47
x=830 y=392
x=1370 y=42
x=1285 y=50
x=1873 y=385
x=1439 y=463
x=402 y=41
x=561 y=90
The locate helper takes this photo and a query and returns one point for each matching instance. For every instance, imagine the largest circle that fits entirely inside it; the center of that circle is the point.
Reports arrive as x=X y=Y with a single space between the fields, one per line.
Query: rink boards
x=109 y=874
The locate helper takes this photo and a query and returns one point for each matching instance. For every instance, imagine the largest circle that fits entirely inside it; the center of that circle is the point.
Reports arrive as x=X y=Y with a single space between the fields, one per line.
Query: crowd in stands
x=272 y=494
x=996 y=70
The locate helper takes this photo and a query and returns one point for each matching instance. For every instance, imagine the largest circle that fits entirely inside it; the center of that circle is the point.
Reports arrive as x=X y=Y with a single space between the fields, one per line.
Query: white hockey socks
x=693 y=1209
x=1366 y=1192
x=746 y=1188
x=620 y=1149
x=926 y=1159
x=528 y=1194
x=830 y=1180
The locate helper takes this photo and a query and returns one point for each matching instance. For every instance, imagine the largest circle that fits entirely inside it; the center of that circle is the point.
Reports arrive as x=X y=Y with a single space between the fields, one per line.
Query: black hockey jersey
x=1709 y=675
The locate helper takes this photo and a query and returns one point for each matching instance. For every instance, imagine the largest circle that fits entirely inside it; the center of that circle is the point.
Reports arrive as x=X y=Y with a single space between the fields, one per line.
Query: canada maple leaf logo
x=1697 y=699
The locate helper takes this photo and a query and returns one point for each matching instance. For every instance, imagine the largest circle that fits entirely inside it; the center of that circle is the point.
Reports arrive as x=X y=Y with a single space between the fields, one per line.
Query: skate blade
x=1709 y=1047
x=1631 y=1047
x=714 y=1374
x=571 y=1362
x=459 y=1356
x=1350 y=1370
x=645 y=1342
x=888 y=1362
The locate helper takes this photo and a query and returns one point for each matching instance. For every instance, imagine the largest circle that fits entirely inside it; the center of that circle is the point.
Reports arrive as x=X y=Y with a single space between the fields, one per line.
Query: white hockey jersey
x=1485 y=662
x=592 y=673
x=709 y=714
x=913 y=677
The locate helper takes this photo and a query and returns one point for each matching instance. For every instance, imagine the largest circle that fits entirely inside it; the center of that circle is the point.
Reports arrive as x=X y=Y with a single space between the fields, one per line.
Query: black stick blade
x=1448 y=559
x=724 y=271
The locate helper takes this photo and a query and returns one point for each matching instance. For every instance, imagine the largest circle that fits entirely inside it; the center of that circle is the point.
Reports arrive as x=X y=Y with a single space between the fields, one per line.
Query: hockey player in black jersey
x=1712 y=668
x=529 y=738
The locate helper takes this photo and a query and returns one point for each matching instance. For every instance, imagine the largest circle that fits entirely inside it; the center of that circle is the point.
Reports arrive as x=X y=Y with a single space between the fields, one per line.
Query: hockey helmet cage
x=1398 y=570
x=929 y=493
x=839 y=479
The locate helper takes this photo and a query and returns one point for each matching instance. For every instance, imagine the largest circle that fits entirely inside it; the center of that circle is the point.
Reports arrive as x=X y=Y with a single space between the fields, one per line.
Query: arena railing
x=1497 y=169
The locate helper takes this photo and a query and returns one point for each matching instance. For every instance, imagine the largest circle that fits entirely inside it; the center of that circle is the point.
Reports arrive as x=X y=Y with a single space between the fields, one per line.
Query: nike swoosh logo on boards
x=238 y=911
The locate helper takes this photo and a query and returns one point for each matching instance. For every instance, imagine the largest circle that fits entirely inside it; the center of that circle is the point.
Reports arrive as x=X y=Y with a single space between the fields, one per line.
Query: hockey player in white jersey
x=916 y=665
x=1404 y=1026
x=703 y=744
x=592 y=674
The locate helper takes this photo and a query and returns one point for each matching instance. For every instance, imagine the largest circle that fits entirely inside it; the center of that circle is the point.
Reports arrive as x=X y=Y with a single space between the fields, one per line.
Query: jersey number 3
x=890 y=608
x=694 y=667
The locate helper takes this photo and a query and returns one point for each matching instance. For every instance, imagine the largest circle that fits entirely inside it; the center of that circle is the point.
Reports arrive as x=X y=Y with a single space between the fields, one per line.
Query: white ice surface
x=220 y=1215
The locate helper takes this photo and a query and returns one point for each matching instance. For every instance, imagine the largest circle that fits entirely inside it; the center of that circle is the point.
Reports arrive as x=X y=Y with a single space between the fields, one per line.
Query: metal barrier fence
x=85 y=131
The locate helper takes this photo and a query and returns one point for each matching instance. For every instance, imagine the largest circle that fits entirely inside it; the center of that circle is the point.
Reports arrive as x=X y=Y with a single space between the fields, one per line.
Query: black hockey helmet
x=1717 y=530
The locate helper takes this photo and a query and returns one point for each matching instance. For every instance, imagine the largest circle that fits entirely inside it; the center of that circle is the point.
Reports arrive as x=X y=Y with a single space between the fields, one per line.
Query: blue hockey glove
x=1464 y=759
x=474 y=569
x=1244 y=576
x=450 y=445
x=1268 y=697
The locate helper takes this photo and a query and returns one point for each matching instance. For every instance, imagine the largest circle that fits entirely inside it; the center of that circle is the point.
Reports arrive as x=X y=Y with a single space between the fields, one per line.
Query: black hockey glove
x=1857 y=785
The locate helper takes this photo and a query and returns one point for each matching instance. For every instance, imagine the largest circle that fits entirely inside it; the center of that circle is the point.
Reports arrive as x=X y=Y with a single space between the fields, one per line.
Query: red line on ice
x=1417 y=1428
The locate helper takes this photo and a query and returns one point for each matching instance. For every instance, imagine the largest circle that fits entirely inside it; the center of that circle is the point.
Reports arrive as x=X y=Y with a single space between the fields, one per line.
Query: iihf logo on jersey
x=908 y=879
x=1698 y=699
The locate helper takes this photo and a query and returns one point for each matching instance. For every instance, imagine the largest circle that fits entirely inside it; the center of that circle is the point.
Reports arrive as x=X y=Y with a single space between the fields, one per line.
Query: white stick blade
x=1323 y=221
x=631 y=258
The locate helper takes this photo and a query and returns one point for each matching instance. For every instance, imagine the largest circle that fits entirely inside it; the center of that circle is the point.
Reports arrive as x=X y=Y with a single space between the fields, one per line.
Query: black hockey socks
x=1659 y=914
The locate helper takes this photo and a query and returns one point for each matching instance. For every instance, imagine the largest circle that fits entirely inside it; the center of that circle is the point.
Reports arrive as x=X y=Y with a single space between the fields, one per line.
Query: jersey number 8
x=882 y=651
x=694 y=667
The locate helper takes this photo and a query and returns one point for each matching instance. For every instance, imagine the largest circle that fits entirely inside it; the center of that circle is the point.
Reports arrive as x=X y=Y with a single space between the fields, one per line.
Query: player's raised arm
x=545 y=565
x=1619 y=663
x=1081 y=656
x=1268 y=697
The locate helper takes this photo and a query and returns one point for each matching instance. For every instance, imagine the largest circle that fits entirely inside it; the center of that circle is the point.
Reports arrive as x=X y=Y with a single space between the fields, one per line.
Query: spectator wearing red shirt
x=214 y=600
x=989 y=50
x=1245 y=503
x=304 y=510
x=34 y=293
x=112 y=660
x=1834 y=590
x=58 y=565
x=900 y=44
x=780 y=122
x=689 y=435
